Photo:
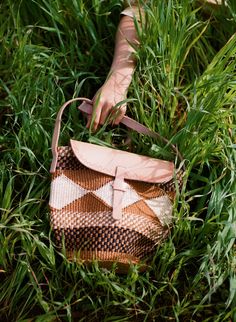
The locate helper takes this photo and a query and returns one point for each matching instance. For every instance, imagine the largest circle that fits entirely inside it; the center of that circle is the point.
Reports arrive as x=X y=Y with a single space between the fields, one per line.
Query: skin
x=115 y=88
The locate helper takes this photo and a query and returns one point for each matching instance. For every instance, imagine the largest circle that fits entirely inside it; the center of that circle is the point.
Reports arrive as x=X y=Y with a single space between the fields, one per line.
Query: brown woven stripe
x=107 y=260
x=151 y=228
x=106 y=239
x=104 y=256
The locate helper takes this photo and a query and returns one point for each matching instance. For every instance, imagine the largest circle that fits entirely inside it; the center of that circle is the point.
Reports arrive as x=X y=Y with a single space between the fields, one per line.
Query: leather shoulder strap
x=87 y=108
x=57 y=129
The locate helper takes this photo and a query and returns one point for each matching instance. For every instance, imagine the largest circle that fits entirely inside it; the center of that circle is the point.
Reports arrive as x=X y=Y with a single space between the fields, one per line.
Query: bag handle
x=88 y=109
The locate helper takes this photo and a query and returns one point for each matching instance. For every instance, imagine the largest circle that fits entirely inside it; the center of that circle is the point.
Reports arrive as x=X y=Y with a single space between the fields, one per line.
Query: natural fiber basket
x=109 y=205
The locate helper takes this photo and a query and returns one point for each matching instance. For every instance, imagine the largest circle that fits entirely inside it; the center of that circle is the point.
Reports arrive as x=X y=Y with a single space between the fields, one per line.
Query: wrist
x=120 y=78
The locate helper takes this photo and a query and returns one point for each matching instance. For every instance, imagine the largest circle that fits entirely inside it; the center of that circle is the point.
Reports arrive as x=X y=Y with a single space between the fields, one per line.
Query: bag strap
x=87 y=107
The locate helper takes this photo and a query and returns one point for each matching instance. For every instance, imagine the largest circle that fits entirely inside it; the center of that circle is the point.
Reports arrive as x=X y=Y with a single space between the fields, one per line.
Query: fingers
x=120 y=113
x=94 y=119
x=105 y=112
x=102 y=110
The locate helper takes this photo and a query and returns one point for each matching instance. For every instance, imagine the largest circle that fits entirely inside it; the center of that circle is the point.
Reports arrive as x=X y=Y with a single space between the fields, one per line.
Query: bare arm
x=115 y=88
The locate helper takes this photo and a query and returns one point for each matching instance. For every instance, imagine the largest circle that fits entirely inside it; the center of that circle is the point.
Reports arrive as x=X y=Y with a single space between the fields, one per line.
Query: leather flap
x=136 y=167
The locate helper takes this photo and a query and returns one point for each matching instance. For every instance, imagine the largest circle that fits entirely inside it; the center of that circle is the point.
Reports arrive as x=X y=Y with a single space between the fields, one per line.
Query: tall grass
x=184 y=87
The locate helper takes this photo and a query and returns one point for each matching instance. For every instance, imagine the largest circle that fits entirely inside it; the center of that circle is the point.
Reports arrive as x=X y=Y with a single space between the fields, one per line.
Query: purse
x=109 y=205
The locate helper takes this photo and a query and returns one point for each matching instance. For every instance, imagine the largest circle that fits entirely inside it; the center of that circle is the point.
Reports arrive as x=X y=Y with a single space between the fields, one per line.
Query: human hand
x=106 y=104
x=114 y=91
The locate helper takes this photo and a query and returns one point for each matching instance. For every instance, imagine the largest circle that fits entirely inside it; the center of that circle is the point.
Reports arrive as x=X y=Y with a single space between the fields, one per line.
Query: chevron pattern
x=65 y=193
x=81 y=211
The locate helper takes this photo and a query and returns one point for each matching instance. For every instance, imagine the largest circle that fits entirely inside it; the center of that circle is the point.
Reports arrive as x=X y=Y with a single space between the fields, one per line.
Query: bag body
x=109 y=205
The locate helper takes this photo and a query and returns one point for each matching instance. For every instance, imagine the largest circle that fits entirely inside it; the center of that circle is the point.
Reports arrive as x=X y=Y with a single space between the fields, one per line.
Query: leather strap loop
x=136 y=126
x=57 y=129
x=118 y=193
x=87 y=108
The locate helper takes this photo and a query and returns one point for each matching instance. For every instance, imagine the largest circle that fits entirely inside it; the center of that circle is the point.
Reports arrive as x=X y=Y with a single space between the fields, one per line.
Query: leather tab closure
x=118 y=192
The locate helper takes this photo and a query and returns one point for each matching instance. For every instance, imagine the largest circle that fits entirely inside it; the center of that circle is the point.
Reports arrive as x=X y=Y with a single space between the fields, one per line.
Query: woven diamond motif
x=64 y=191
x=130 y=197
x=105 y=193
x=162 y=207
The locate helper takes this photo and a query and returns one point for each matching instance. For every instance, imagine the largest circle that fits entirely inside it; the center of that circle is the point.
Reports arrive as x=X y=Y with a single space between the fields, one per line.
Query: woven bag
x=109 y=205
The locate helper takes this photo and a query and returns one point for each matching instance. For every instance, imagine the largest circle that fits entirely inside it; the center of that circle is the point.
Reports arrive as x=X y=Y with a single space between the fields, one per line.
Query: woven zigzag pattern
x=81 y=212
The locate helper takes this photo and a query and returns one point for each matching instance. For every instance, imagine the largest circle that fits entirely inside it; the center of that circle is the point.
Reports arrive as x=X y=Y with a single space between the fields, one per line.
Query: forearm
x=115 y=88
x=123 y=63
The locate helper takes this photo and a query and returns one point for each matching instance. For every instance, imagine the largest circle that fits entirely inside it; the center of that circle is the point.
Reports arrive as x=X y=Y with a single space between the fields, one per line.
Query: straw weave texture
x=81 y=213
